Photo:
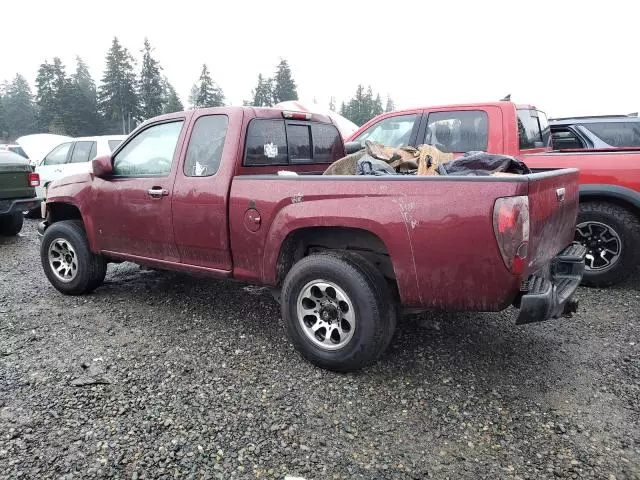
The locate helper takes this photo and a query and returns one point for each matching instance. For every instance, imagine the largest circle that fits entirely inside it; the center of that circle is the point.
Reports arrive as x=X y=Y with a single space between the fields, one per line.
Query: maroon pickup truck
x=200 y=192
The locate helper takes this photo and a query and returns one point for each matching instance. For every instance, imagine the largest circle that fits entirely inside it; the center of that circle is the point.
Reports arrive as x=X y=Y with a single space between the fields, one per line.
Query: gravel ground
x=158 y=375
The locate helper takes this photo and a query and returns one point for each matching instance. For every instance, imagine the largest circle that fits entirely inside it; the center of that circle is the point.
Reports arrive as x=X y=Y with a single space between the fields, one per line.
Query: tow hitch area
x=546 y=298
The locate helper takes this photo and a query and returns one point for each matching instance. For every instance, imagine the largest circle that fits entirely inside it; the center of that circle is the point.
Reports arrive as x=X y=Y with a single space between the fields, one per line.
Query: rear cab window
x=533 y=129
x=272 y=142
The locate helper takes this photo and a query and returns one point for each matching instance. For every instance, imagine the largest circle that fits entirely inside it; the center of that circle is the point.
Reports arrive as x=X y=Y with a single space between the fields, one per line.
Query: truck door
x=132 y=208
x=200 y=201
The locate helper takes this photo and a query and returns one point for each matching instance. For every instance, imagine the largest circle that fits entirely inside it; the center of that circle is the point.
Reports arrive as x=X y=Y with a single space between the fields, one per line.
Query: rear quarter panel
x=438 y=231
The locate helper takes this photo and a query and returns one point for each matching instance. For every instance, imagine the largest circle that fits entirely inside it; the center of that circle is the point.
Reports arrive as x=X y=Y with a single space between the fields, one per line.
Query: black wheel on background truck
x=338 y=311
x=611 y=235
x=68 y=262
x=11 y=224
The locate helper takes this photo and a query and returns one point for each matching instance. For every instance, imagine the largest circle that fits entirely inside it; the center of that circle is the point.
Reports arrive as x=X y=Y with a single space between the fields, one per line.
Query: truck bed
x=438 y=231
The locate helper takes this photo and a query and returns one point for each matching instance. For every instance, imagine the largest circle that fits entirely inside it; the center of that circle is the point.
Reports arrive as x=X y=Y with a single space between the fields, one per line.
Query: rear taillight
x=34 y=180
x=511 y=227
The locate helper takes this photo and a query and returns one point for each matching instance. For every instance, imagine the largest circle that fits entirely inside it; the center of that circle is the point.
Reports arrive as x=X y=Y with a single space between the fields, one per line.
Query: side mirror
x=102 y=166
x=352 y=147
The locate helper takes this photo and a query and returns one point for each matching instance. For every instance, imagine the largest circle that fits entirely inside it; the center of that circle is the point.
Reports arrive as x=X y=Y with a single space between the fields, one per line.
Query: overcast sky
x=565 y=57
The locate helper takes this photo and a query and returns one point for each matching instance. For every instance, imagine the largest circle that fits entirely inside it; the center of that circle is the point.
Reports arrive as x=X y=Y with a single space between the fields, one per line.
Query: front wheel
x=68 y=262
x=336 y=311
x=611 y=235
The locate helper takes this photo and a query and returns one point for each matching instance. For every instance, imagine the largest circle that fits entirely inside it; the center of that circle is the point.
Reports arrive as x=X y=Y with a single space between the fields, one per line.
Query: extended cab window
x=205 y=146
x=458 y=131
x=58 y=155
x=149 y=153
x=279 y=142
x=392 y=131
x=533 y=129
x=82 y=152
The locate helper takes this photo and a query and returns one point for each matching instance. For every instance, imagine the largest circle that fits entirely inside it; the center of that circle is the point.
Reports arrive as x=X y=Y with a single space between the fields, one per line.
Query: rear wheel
x=337 y=311
x=611 y=235
x=68 y=262
x=11 y=224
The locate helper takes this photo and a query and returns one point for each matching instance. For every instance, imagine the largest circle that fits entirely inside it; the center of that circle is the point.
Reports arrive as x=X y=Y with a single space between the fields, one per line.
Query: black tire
x=91 y=268
x=384 y=293
x=626 y=226
x=369 y=295
x=11 y=224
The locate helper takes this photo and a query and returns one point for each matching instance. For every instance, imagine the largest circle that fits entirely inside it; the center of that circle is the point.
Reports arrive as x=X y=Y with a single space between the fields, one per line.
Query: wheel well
x=620 y=202
x=57 y=212
x=306 y=241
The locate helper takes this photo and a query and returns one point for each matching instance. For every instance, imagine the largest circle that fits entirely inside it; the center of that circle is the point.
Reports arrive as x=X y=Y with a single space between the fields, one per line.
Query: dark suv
x=607 y=131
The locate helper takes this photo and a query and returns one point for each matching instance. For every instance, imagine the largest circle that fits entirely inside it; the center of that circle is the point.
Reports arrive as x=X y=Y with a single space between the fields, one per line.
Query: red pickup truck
x=200 y=192
x=609 y=217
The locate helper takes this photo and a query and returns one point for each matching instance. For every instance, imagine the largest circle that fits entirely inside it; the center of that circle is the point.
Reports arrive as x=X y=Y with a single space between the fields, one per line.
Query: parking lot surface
x=159 y=375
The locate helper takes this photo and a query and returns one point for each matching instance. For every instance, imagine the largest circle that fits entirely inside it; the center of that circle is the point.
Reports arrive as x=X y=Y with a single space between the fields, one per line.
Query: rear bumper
x=549 y=296
x=19 y=205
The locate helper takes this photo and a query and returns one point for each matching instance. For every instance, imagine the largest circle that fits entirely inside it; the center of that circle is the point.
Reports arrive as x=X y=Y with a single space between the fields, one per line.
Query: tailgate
x=553 y=209
x=14 y=182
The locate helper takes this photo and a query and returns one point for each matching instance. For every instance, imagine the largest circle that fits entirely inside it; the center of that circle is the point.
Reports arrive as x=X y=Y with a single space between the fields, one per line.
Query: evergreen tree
x=45 y=96
x=63 y=99
x=83 y=117
x=284 y=87
x=376 y=108
x=390 y=105
x=171 y=101
x=206 y=93
x=193 y=96
x=19 y=109
x=151 y=91
x=362 y=107
x=263 y=93
x=117 y=98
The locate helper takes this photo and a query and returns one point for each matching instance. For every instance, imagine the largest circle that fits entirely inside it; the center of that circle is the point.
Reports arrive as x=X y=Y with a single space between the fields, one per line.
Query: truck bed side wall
x=438 y=232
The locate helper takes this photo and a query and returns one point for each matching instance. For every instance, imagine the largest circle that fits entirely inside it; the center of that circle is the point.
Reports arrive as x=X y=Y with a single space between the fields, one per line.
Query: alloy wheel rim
x=326 y=315
x=603 y=245
x=63 y=260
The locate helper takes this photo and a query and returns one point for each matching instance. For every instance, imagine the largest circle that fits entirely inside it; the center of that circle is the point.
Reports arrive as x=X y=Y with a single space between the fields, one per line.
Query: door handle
x=158 y=192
